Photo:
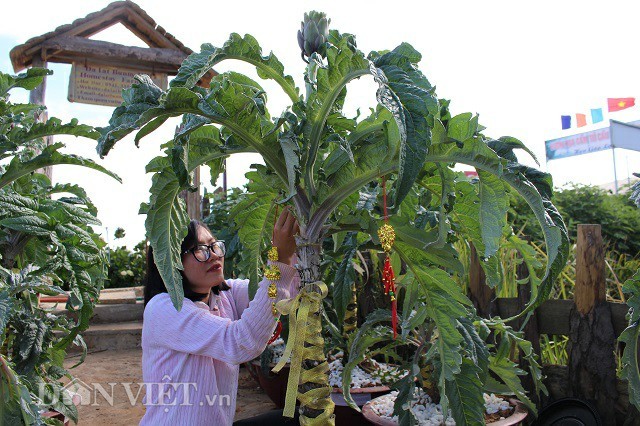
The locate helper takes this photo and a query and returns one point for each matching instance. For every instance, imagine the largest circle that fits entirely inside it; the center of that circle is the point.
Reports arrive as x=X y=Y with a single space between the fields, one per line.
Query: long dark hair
x=153 y=283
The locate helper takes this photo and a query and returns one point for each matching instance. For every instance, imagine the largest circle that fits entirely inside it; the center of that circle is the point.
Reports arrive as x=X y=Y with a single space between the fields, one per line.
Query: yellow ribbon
x=301 y=310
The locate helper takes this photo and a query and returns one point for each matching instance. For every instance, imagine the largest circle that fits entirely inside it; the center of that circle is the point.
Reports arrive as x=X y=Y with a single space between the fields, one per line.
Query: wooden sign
x=102 y=85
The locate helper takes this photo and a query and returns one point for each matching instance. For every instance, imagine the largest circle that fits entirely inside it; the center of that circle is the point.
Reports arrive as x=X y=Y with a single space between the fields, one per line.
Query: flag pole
x=615 y=175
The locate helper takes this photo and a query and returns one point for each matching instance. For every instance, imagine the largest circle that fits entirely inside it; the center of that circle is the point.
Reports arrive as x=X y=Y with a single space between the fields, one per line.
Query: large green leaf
x=464 y=395
x=442 y=256
x=142 y=103
x=508 y=371
x=345 y=277
x=52 y=126
x=244 y=49
x=234 y=101
x=408 y=95
x=291 y=157
x=344 y=64
x=494 y=203
x=368 y=334
x=50 y=156
x=166 y=226
x=466 y=212
x=254 y=219
x=444 y=303
x=28 y=80
x=534 y=186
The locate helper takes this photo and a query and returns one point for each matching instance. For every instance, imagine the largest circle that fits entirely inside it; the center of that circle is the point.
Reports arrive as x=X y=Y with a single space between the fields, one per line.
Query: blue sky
x=519 y=65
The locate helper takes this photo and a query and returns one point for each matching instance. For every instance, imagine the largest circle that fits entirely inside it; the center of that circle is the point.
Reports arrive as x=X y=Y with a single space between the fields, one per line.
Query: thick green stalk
x=309 y=258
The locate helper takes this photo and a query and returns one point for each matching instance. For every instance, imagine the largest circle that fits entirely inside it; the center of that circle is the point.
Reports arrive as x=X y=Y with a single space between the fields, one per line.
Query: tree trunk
x=309 y=257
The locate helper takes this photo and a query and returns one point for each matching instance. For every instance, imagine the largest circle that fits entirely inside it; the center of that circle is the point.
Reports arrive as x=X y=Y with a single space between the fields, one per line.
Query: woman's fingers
x=289 y=223
x=282 y=218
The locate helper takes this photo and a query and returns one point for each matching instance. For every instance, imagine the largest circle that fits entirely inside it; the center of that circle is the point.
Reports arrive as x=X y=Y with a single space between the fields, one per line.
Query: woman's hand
x=283 y=236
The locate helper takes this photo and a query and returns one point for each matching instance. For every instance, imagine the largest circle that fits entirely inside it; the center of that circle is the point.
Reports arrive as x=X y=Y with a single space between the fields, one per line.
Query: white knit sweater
x=190 y=359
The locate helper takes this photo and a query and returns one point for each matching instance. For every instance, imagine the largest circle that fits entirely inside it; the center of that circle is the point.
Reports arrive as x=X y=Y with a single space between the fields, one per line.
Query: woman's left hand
x=283 y=236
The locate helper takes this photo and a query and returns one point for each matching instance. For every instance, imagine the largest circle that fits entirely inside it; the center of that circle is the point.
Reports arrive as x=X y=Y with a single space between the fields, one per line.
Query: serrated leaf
x=50 y=156
x=28 y=80
x=494 y=203
x=464 y=394
x=407 y=94
x=290 y=152
x=365 y=337
x=345 y=277
x=462 y=126
x=166 y=226
x=245 y=49
x=51 y=127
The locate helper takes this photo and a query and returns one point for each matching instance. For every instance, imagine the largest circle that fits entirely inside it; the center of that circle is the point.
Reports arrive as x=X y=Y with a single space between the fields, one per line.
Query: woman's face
x=203 y=275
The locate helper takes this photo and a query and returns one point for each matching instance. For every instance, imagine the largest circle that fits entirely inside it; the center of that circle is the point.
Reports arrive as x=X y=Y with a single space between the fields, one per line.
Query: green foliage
x=127 y=268
x=47 y=246
x=328 y=167
x=630 y=363
x=631 y=335
x=617 y=214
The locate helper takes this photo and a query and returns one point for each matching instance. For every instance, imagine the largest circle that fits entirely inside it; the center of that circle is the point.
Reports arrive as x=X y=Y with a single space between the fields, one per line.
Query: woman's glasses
x=202 y=252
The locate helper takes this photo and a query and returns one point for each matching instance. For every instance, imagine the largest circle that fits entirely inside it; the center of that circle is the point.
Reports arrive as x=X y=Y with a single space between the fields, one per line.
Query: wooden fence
x=592 y=324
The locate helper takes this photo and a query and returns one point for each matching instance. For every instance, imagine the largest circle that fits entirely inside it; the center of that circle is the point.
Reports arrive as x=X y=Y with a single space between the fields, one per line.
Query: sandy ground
x=124 y=366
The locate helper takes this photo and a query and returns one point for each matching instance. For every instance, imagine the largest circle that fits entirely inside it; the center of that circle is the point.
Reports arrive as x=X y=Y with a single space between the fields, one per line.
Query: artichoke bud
x=313 y=34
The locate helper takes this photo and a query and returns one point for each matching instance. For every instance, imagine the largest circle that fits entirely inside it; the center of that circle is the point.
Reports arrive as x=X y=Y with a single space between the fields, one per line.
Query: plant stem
x=309 y=257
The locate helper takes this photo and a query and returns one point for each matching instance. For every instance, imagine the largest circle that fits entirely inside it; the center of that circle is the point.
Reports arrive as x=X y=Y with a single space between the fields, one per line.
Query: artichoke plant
x=46 y=246
x=328 y=167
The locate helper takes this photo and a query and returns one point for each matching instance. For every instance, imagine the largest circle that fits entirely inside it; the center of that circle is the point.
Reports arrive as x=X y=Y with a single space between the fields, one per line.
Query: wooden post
x=36 y=96
x=482 y=296
x=530 y=328
x=592 y=369
x=193 y=199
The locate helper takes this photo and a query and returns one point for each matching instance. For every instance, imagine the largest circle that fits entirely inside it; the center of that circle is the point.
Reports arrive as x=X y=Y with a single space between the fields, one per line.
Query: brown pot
x=275 y=386
x=519 y=414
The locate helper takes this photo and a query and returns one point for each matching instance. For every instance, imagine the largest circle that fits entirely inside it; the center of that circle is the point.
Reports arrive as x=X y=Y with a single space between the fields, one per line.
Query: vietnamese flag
x=618 y=104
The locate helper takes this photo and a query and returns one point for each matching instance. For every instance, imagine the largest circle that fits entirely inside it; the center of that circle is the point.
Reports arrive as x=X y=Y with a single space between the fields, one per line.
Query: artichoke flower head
x=313 y=34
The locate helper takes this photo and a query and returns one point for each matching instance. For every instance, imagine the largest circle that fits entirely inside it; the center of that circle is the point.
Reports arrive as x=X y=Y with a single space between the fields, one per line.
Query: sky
x=518 y=65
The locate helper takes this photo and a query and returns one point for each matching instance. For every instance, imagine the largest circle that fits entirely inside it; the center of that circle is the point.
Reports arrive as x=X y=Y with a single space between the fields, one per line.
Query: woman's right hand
x=285 y=229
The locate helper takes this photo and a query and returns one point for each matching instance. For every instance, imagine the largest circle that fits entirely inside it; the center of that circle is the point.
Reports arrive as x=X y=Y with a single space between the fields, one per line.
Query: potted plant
x=329 y=168
x=46 y=246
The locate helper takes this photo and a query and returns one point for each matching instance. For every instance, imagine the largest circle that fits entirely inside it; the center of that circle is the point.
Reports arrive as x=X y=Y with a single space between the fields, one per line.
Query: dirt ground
x=124 y=366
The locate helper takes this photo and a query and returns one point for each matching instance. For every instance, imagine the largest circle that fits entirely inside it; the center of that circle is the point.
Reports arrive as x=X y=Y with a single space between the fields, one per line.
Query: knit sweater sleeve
x=240 y=288
x=196 y=331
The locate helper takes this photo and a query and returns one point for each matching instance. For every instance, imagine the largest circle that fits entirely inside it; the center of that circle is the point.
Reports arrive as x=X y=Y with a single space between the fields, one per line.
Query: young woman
x=190 y=357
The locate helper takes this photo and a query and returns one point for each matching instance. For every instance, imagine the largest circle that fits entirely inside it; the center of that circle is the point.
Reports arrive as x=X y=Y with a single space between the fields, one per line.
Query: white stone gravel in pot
x=500 y=411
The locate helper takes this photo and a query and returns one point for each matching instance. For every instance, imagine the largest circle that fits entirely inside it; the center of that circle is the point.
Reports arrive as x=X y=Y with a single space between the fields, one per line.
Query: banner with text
x=582 y=143
x=102 y=85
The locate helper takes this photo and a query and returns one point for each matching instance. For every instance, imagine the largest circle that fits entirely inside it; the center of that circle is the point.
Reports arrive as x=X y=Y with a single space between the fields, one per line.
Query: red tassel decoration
x=387 y=237
x=276 y=333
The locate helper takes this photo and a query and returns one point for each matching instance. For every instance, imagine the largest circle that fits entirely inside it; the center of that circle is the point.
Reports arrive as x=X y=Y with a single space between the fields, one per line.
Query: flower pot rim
x=519 y=414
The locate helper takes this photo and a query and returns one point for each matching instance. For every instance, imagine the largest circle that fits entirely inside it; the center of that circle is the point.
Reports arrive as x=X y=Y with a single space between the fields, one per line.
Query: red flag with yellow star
x=617 y=104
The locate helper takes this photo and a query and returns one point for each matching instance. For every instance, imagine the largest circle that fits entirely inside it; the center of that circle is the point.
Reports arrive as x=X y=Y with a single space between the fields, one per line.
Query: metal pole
x=615 y=175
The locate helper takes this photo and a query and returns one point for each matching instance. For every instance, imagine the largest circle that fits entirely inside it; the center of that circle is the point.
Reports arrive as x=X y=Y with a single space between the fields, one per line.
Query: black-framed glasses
x=202 y=252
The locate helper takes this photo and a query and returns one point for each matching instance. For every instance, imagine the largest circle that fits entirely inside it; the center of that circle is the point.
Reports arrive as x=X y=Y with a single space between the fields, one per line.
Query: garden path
x=124 y=366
